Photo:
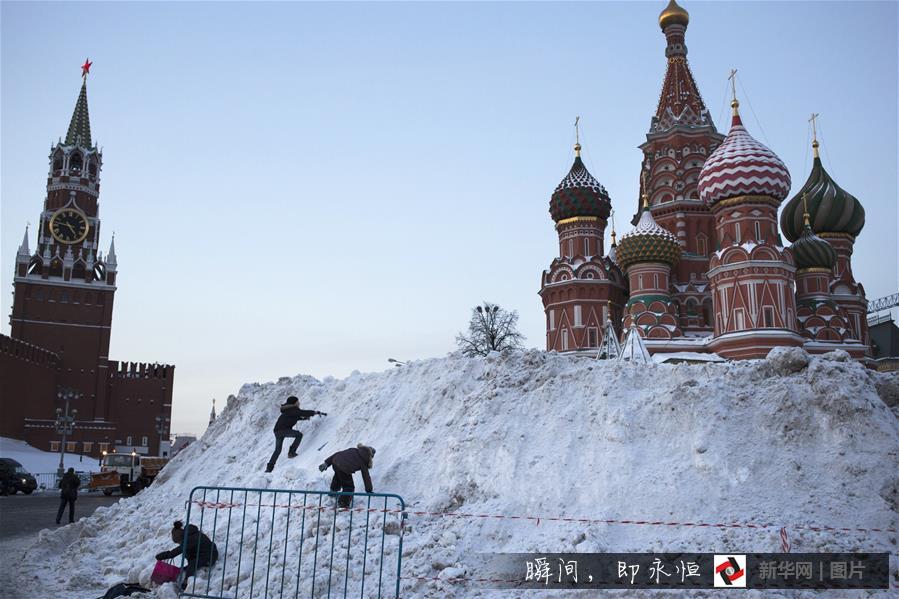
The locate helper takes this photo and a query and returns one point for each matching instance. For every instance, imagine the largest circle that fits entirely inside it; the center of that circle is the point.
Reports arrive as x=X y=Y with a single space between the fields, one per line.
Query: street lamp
x=65 y=422
x=396 y=362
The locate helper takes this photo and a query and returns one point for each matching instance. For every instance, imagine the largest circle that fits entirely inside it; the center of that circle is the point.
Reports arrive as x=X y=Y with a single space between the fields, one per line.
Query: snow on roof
x=686 y=356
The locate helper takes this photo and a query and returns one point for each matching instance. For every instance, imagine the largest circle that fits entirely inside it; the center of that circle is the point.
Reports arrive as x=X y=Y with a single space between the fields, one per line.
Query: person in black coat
x=68 y=493
x=199 y=551
x=345 y=463
x=290 y=414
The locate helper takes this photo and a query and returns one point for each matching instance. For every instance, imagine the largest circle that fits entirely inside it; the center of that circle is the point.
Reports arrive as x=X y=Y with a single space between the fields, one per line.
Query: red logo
x=730 y=571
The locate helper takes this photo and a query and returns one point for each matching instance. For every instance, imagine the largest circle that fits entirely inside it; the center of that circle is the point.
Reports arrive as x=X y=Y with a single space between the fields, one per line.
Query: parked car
x=14 y=478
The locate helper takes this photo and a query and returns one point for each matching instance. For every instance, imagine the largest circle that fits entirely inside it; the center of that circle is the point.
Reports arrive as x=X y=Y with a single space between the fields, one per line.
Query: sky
x=315 y=188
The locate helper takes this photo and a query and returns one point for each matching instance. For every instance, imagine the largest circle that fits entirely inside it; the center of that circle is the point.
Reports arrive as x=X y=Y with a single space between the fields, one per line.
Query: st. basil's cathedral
x=704 y=268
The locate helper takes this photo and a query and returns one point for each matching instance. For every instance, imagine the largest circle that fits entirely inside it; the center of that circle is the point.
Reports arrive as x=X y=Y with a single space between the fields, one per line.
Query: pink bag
x=164 y=572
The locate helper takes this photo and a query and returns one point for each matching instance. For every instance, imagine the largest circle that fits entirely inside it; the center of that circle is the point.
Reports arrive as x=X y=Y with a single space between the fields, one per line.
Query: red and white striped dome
x=742 y=166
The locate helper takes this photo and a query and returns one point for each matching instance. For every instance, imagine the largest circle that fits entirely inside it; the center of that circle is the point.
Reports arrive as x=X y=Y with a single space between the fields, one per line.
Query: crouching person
x=199 y=551
x=345 y=463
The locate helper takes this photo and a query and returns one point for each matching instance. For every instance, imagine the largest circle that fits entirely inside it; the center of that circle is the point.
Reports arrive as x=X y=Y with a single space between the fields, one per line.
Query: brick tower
x=681 y=136
x=752 y=276
x=61 y=321
x=583 y=288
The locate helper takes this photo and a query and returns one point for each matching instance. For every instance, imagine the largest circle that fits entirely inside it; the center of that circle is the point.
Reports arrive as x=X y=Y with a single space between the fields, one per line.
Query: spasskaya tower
x=61 y=319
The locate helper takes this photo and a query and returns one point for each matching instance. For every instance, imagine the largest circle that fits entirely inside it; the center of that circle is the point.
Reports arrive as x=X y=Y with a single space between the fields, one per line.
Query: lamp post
x=396 y=362
x=65 y=422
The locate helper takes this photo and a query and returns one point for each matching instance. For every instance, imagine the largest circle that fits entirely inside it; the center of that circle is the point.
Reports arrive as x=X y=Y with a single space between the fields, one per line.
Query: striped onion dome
x=579 y=194
x=810 y=251
x=742 y=166
x=647 y=242
x=831 y=209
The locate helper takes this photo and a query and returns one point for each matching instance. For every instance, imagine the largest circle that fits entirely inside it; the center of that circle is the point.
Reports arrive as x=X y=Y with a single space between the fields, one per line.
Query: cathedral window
x=702 y=247
x=592 y=337
x=586 y=246
x=739 y=320
x=758 y=231
x=578 y=316
x=768 y=316
x=552 y=320
x=737 y=232
x=564 y=339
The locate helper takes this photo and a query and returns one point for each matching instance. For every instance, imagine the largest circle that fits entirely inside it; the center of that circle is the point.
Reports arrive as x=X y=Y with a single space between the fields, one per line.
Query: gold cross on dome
x=577 y=133
x=813 y=120
x=733 y=82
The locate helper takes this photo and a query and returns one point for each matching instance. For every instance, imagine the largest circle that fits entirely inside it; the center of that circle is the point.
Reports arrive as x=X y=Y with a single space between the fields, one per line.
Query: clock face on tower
x=68 y=225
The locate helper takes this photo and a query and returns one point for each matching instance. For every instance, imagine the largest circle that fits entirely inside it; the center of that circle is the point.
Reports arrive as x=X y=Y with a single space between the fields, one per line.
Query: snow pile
x=36 y=461
x=790 y=440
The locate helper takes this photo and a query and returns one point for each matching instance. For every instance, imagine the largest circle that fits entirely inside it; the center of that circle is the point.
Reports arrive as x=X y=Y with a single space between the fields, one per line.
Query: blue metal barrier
x=278 y=529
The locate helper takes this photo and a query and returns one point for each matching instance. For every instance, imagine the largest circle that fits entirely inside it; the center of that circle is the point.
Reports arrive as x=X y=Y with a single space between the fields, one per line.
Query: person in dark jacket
x=345 y=463
x=199 y=551
x=290 y=414
x=68 y=493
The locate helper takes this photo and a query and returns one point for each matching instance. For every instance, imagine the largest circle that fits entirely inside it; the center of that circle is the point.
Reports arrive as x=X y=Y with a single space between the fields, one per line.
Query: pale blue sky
x=314 y=188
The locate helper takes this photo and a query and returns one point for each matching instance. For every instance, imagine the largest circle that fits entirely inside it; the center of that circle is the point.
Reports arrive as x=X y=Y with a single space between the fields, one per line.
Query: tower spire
x=79 y=132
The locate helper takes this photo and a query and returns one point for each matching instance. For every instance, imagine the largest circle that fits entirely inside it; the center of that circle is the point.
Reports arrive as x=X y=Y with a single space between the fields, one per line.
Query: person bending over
x=199 y=551
x=345 y=463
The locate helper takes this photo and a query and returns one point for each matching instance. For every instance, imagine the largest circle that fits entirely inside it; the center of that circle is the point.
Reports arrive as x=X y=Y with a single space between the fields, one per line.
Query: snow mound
x=792 y=440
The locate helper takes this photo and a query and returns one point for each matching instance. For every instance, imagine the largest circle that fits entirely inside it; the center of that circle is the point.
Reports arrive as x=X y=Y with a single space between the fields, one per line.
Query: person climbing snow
x=290 y=414
x=345 y=463
x=68 y=493
x=199 y=551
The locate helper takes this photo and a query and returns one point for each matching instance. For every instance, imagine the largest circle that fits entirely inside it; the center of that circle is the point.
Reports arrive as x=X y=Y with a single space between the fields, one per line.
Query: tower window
x=702 y=246
x=737 y=229
x=758 y=232
x=57 y=163
x=128 y=440
x=586 y=246
x=552 y=320
x=75 y=163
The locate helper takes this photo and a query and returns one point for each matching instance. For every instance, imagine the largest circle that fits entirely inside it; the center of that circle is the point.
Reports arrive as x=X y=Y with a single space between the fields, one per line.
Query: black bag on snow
x=123 y=589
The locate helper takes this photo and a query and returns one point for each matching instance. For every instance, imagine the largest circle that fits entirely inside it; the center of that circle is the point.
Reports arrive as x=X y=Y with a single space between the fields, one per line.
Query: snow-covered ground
x=37 y=462
x=787 y=440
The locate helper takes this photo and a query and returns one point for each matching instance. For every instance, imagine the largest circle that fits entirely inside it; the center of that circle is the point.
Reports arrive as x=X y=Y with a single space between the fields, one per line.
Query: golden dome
x=673 y=15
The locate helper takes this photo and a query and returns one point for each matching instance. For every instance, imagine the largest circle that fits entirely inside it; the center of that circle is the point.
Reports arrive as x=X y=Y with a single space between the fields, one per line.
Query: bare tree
x=491 y=329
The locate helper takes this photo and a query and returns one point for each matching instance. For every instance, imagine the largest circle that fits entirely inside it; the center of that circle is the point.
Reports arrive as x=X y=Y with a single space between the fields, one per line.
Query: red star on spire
x=86 y=67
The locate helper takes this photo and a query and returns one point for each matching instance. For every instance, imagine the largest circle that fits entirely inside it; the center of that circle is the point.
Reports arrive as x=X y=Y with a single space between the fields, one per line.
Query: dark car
x=14 y=478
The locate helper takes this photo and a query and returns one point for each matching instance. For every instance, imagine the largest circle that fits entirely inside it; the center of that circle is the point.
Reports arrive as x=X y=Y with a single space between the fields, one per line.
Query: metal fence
x=50 y=480
x=286 y=543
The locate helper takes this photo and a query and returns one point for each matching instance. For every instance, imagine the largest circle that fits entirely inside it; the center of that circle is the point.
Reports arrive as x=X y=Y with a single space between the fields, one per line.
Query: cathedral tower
x=752 y=277
x=681 y=136
x=582 y=288
x=837 y=216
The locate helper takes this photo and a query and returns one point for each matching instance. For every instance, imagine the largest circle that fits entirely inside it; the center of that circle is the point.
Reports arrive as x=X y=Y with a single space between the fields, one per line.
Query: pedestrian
x=345 y=463
x=198 y=550
x=290 y=414
x=68 y=493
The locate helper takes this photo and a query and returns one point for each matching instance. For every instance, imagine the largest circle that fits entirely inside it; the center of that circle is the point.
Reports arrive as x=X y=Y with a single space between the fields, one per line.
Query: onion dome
x=579 y=194
x=810 y=251
x=831 y=209
x=742 y=166
x=673 y=15
x=647 y=242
